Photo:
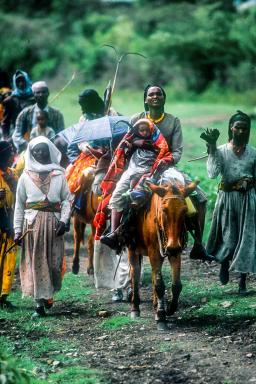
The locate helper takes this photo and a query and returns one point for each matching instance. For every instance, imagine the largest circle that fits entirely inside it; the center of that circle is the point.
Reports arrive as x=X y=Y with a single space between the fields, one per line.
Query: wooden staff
x=198 y=158
x=15 y=243
x=62 y=89
x=119 y=59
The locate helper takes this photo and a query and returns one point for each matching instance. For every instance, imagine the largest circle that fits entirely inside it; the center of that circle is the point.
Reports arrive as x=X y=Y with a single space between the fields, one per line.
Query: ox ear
x=159 y=190
x=191 y=187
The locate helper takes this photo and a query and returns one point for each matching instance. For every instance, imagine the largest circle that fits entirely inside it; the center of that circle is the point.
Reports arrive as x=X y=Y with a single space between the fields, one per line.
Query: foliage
x=52 y=38
x=10 y=373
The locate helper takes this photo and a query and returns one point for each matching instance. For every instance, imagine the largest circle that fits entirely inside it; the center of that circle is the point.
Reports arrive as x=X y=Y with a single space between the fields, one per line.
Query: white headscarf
x=32 y=165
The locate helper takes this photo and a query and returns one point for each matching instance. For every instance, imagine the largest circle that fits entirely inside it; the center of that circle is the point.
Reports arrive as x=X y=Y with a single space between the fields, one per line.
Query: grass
x=117 y=322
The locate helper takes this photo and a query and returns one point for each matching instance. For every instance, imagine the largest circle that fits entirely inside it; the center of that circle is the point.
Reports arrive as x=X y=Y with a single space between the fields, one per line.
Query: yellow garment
x=3 y=90
x=191 y=208
x=7 y=266
x=20 y=165
x=9 y=199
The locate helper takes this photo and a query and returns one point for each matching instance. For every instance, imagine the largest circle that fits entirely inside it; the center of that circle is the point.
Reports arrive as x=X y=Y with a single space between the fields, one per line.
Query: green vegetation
x=195 y=46
x=116 y=322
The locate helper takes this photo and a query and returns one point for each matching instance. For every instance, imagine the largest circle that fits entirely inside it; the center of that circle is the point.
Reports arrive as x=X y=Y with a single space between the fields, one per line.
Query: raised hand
x=210 y=135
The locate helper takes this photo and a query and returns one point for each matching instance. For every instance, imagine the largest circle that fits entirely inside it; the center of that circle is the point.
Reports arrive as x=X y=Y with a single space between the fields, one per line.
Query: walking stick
x=198 y=158
x=62 y=89
x=119 y=60
x=15 y=243
x=5 y=251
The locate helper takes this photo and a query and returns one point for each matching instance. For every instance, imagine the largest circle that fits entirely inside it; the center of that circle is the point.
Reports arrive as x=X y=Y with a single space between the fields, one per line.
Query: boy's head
x=42 y=118
x=143 y=128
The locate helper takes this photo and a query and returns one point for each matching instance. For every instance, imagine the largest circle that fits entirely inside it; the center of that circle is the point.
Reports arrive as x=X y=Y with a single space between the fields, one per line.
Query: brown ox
x=160 y=233
x=82 y=217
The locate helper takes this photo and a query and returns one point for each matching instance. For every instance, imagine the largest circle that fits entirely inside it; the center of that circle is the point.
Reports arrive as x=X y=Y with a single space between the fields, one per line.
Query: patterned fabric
x=171 y=130
x=233 y=228
x=116 y=168
x=45 y=206
x=41 y=265
x=74 y=171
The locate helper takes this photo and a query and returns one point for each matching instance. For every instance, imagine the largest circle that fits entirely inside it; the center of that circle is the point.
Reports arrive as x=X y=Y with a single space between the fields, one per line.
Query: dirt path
x=201 y=347
x=199 y=351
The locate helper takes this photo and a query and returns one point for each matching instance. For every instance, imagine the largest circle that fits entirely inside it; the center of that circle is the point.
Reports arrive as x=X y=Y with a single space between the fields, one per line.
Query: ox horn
x=191 y=187
x=159 y=190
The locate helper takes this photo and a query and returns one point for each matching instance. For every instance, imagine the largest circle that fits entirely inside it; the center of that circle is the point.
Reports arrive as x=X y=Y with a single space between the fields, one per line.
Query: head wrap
x=239 y=116
x=27 y=91
x=5 y=152
x=149 y=123
x=38 y=85
x=92 y=102
x=146 y=93
x=32 y=165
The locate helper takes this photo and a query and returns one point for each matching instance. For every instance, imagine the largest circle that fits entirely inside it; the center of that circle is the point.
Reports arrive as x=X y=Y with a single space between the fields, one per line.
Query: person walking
x=43 y=209
x=232 y=237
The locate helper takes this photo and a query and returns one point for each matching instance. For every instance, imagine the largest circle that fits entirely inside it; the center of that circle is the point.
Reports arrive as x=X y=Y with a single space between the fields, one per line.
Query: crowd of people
x=38 y=196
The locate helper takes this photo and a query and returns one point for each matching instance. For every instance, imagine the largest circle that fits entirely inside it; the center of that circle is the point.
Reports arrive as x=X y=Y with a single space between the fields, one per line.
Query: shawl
x=27 y=91
x=117 y=166
x=32 y=165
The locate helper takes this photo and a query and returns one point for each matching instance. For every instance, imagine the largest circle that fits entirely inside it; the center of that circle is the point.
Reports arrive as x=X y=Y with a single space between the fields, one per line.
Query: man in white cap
x=26 y=120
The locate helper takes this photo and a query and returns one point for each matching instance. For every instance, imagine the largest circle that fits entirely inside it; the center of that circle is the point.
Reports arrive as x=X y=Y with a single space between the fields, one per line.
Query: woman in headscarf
x=232 y=238
x=21 y=97
x=8 y=182
x=43 y=209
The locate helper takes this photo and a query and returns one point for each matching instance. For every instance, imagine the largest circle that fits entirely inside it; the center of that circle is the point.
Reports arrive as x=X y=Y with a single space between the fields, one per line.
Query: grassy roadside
x=55 y=349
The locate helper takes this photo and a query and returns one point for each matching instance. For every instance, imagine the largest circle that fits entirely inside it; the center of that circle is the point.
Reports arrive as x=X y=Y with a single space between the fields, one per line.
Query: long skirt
x=233 y=230
x=42 y=258
x=7 y=263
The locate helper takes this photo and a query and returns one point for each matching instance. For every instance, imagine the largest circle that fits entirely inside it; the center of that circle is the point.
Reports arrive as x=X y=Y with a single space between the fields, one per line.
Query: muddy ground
x=200 y=351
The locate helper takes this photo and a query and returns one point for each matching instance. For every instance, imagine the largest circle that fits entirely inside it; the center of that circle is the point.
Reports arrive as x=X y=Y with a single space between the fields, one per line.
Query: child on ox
x=232 y=238
x=142 y=151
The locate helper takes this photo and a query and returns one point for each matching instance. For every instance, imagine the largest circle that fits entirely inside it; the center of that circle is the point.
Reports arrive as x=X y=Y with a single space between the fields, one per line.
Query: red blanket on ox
x=116 y=168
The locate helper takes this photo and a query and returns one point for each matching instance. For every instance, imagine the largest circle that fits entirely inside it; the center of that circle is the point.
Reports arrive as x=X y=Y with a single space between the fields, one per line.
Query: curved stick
x=119 y=60
x=63 y=89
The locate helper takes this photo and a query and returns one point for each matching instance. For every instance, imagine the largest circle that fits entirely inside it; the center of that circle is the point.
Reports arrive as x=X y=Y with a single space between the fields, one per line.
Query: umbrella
x=100 y=129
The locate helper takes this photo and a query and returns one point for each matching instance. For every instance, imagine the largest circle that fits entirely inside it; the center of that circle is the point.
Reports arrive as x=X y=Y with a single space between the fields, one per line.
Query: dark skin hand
x=210 y=136
x=60 y=230
x=141 y=143
x=17 y=238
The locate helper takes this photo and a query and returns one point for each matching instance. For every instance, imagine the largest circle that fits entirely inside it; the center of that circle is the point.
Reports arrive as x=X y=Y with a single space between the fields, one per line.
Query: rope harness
x=161 y=234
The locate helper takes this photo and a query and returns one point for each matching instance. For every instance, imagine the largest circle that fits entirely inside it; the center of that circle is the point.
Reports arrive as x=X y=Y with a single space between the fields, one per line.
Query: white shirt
x=27 y=192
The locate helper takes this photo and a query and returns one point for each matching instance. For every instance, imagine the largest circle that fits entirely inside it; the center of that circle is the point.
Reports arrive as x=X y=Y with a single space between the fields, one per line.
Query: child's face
x=41 y=120
x=144 y=130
